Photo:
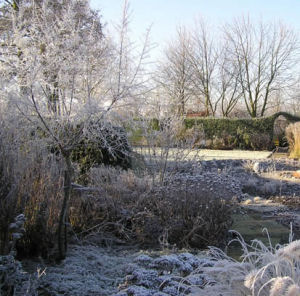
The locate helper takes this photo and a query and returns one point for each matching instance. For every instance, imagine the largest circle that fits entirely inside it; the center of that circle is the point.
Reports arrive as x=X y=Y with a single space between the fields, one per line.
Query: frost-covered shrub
x=260 y=141
x=39 y=198
x=11 y=275
x=182 y=217
x=172 y=215
x=108 y=146
x=253 y=186
x=13 y=279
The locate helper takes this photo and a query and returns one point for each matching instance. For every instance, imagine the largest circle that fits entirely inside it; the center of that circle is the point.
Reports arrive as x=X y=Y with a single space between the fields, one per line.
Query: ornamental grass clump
x=292 y=134
x=263 y=271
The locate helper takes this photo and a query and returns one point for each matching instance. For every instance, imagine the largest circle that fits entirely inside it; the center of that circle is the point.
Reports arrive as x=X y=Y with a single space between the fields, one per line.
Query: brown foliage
x=31 y=184
x=118 y=206
x=173 y=214
x=292 y=134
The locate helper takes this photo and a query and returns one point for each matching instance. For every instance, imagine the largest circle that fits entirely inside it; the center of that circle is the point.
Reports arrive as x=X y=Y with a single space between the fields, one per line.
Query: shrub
x=222 y=133
x=99 y=144
x=31 y=183
x=40 y=198
x=184 y=218
x=261 y=141
x=292 y=133
x=128 y=207
x=13 y=278
x=108 y=145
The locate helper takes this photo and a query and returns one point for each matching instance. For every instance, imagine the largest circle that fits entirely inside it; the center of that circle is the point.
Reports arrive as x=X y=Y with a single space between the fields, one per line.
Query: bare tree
x=174 y=73
x=293 y=99
x=264 y=55
x=227 y=85
x=204 y=59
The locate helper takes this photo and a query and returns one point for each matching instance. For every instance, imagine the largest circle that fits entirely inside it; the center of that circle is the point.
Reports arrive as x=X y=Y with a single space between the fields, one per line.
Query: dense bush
x=39 y=196
x=91 y=144
x=108 y=146
x=183 y=218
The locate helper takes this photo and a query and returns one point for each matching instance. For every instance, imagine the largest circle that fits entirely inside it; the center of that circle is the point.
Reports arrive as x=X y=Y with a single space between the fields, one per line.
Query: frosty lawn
x=204 y=154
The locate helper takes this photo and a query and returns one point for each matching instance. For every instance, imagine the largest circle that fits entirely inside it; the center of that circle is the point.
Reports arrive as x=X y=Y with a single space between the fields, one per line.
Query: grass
x=265 y=270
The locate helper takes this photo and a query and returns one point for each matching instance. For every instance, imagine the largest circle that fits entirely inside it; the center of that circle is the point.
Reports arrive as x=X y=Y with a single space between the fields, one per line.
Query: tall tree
x=174 y=74
x=204 y=61
x=264 y=55
x=227 y=85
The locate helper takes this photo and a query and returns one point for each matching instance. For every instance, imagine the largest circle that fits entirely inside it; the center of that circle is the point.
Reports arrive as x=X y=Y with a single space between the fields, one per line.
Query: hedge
x=220 y=133
x=226 y=133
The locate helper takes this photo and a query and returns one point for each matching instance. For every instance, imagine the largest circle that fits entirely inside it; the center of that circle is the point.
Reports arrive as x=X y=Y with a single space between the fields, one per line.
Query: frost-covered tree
x=62 y=76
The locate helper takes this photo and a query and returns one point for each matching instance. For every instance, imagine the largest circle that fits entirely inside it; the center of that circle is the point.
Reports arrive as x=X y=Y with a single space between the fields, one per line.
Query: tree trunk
x=63 y=218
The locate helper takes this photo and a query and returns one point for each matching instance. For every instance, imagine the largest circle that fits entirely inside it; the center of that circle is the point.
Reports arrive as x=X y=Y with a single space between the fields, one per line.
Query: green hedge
x=222 y=133
x=226 y=133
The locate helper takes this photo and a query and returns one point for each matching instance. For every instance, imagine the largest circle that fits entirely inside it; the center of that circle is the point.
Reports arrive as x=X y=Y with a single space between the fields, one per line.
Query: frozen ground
x=92 y=270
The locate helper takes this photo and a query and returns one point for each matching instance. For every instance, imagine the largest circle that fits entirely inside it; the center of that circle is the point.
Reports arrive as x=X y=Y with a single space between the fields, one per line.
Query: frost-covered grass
x=91 y=270
x=264 y=271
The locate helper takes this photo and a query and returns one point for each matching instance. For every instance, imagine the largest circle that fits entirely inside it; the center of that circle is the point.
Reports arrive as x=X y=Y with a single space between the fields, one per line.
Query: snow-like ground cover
x=264 y=271
x=91 y=270
x=87 y=270
x=233 y=154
